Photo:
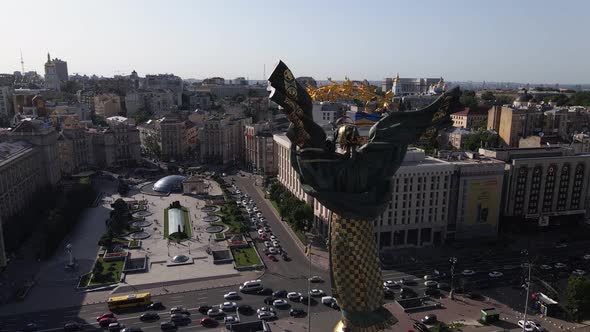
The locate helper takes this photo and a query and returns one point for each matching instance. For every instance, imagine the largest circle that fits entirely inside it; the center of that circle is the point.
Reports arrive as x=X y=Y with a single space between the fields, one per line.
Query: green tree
x=578 y=298
x=488 y=96
x=468 y=99
x=119 y=216
x=478 y=139
x=580 y=98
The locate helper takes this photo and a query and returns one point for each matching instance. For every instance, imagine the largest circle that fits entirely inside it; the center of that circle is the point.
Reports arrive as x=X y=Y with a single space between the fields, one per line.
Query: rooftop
x=9 y=150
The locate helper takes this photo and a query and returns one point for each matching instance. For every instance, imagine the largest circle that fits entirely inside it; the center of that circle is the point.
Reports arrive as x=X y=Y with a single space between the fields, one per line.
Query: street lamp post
x=453 y=261
x=525 y=253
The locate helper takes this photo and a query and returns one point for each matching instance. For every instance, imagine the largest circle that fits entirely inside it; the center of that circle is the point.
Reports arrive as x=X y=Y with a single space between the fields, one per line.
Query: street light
x=525 y=254
x=453 y=261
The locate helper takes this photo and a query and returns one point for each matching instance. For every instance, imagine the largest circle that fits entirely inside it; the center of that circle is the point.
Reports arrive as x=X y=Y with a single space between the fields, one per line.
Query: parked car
x=231 y=319
x=295 y=312
x=328 y=300
x=209 y=322
x=316 y=292
x=203 y=309
x=527 y=327
x=231 y=296
x=280 y=303
x=430 y=283
x=294 y=296
x=267 y=315
x=167 y=326
x=280 y=293
x=468 y=273
x=245 y=309
x=316 y=279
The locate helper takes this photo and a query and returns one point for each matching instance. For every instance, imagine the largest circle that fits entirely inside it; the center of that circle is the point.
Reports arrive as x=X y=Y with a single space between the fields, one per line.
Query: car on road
x=271 y=257
x=392 y=284
x=328 y=300
x=273 y=238
x=430 y=283
x=228 y=306
x=263 y=237
x=537 y=325
x=267 y=229
x=267 y=315
x=270 y=309
x=273 y=250
x=276 y=243
x=281 y=293
x=388 y=293
x=265 y=291
x=72 y=326
x=527 y=327
x=262 y=219
x=231 y=296
x=578 y=272
x=157 y=305
x=259 y=214
x=560 y=265
x=495 y=274
x=179 y=318
x=280 y=303
x=209 y=322
x=546 y=267
x=105 y=315
x=316 y=279
x=560 y=245
x=104 y=323
x=179 y=310
x=231 y=319
x=267 y=244
x=115 y=327
x=167 y=326
x=203 y=309
x=429 y=277
x=468 y=272
x=316 y=292
x=245 y=309
x=296 y=312
x=214 y=312
x=149 y=316
x=132 y=329
x=429 y=319
x=293 y=296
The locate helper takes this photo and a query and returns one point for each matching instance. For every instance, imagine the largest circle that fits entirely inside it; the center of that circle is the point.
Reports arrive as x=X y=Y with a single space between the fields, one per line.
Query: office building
x=117 y=145
x=107 y=105
x=221 y=140
x=259 y=144
x=470 y=118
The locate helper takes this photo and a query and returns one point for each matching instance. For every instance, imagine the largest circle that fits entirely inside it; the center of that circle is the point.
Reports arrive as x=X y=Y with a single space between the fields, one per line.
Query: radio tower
x=22 y=62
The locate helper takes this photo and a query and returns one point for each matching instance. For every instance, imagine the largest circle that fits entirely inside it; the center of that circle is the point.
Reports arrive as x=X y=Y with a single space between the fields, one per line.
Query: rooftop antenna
x=22 y=62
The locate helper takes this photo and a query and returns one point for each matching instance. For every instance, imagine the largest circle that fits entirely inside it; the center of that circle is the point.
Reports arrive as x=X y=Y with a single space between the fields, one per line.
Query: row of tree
x=294 y=211
x=117 y=224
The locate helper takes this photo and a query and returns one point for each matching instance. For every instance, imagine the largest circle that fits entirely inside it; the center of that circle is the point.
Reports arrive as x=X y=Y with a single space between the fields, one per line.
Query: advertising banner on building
x=483 y=201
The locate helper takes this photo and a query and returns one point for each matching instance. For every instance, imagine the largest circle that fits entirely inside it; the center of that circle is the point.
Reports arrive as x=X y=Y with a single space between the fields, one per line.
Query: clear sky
x=503 y=40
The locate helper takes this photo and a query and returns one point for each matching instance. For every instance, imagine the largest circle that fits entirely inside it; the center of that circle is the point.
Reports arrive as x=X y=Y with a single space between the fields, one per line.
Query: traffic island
x=418 y=304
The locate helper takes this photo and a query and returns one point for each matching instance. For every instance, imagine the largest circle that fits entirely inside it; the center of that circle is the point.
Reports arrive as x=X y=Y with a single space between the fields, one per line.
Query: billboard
x=483 y=201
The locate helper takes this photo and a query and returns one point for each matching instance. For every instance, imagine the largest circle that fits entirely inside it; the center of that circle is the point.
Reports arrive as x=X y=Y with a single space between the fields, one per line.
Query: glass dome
x=180 y=259
x=169 y=183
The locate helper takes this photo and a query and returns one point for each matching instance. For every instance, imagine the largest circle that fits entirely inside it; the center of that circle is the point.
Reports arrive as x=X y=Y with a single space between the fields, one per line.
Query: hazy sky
x=511 y=40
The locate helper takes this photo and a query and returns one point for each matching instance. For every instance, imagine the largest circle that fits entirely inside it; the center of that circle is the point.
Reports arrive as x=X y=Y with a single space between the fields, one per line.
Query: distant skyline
x=503 y=41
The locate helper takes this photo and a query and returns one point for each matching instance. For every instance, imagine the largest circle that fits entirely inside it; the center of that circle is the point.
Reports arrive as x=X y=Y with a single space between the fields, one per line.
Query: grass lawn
x=166 y=223
x=219 y=236
x=245 y=257
x=116 y=268
x=85 y=279
x=133 y=243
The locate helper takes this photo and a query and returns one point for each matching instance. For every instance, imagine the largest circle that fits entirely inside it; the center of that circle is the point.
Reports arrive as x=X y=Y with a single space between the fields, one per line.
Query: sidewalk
x=319 y=256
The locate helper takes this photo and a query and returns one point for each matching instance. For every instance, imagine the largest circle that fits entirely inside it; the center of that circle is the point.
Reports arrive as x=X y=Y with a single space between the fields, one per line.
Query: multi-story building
x=259 y=144
x=176 y=139
x=107 y=105
x=546 y=185
x=190 y=141
x=285 y=172
x=6 y=102
x=409 y=86
x=470 y=118
x=117 y=145
x=326 y=113
x=221 y=140
x=86 y=97
x=61 y=69
x=200 y=101
x=7 y=79
x=171 y=130
x=52 y=81
x=75 y=150
x=44 y=137
x=21 y=175
x=165 y=82
x=157 y=102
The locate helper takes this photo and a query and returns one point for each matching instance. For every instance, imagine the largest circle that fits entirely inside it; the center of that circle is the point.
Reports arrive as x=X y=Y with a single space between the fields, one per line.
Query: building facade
x=117 y=145
x=470 y=118
x=107 y=105
x=221 y=140
x=259 y=144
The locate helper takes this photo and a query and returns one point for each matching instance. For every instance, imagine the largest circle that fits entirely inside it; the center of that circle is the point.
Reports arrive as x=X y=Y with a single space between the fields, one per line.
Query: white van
x=251 y=286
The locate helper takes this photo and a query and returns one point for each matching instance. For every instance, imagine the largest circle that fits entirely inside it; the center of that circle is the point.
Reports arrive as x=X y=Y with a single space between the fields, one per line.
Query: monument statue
x=354 y=182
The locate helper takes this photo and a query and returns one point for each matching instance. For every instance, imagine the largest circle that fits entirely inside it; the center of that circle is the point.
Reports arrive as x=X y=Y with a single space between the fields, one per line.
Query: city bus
x=128 y=301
